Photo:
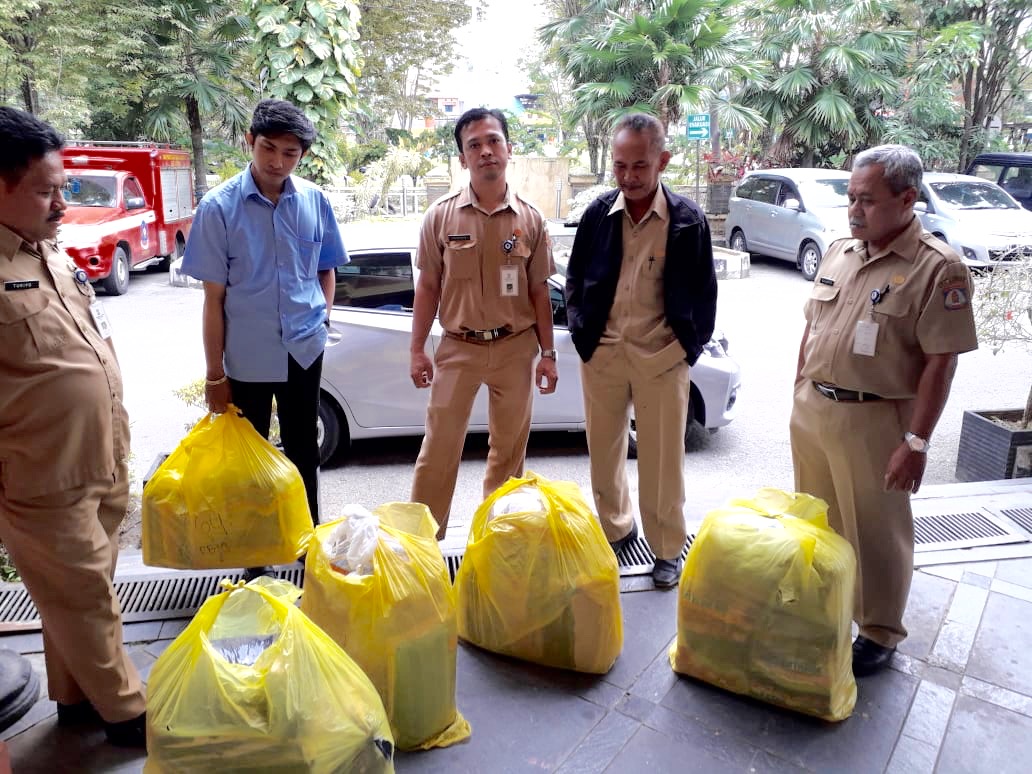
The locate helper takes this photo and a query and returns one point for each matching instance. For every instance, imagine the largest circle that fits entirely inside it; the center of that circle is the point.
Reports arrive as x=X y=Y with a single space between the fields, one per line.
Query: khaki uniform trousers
x=65 y=546
x=840 y=451
x=506 y=366
x=611 y=385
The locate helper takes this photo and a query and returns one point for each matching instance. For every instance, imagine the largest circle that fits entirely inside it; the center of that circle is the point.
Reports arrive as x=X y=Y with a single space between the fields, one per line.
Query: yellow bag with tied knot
x=539 y=581
x=765 y=605
x=378 y=585
x=225 y=498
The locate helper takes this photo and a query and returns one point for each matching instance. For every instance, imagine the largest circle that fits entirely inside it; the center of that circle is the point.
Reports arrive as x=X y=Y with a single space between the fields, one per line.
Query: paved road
x=157 y=333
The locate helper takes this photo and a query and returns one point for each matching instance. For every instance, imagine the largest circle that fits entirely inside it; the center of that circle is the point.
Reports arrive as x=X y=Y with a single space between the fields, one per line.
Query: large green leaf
x=303 y=93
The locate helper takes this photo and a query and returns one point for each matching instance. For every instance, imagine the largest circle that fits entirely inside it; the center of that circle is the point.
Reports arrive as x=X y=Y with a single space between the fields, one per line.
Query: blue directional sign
x=698 y=126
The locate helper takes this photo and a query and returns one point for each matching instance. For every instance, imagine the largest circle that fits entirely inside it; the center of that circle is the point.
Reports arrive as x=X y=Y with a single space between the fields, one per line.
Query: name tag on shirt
x=100 y=319
x=510 y=281
x=866 y=338
x=21 y=285
x=459 y=237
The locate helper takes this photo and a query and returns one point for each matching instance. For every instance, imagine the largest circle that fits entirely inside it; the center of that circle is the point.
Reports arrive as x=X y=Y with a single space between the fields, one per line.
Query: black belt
x=490 y=335
x=841 y=395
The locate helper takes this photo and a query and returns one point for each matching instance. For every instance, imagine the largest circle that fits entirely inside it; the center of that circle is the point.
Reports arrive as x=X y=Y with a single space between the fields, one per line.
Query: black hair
x=24 y=139
x=273 y=117
x=479 y=114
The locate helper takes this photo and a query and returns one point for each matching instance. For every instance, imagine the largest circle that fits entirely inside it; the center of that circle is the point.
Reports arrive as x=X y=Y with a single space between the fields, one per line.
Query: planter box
x=989 y=451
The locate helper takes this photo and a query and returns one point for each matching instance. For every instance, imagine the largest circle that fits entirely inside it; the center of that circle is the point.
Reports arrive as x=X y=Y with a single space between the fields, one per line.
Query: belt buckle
x=488 y=335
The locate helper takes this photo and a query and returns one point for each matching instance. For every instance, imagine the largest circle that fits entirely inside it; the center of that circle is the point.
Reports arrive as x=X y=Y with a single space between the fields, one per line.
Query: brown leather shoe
x=626 y=540
x=667 y=573
x=869 y=657
x=128 y=733
x=78 y=714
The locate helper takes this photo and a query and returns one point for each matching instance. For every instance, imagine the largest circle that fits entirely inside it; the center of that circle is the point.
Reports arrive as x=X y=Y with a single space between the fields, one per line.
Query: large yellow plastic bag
x=225 y=498
x=393 y=612
x=539 y=581
x=765 y=605
x=252 y=685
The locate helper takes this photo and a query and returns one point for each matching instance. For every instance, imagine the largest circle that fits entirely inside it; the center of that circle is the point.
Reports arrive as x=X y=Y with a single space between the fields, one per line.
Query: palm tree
x=834 y=66
x=199 y=57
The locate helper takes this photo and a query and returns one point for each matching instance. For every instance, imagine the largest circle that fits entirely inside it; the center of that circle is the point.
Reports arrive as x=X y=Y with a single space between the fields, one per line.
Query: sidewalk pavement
x=958 y=698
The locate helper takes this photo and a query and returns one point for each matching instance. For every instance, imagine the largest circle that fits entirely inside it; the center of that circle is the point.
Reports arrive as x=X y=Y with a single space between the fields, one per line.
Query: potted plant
x=722 y=172
x=997 y=443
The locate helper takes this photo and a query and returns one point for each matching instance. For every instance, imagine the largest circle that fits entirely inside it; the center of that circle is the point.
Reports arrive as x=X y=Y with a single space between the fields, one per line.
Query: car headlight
x=969 y=254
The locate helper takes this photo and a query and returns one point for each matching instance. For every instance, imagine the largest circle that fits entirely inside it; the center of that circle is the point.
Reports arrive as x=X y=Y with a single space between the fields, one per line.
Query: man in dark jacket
x=641 y=298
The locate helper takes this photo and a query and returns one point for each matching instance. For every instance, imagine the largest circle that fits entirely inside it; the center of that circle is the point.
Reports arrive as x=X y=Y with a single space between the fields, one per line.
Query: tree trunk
x=29 y=95
x=193 y=118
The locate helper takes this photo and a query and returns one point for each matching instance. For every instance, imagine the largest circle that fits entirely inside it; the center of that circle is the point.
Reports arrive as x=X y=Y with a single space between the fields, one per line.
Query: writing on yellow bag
x=397 y=620
x=253 y=685
x=540 y=582
x=765 y=605
x=225 y=498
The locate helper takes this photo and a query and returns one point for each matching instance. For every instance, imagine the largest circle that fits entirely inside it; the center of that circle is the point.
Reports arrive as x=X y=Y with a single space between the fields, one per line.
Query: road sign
x=698 y=126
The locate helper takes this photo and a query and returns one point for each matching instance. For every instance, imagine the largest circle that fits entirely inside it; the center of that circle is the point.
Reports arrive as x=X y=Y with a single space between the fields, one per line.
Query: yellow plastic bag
x=397 y=622
x=765 y=605
x=253 y=685
x=225 y=498
x=541 y=585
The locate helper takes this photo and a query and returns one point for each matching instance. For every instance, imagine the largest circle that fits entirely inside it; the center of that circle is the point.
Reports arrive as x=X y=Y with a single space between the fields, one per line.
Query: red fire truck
x=130 y=205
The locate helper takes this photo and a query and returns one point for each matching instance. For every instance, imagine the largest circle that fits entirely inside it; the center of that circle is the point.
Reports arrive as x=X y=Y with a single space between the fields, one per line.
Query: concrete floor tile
x=913 y=757
x=708 y=744
x=930 y=713
x=994 y=694
x=636 y=707
x=602 y=693
x=975 y=579
x=985 y=738
x=765 y=763
x=601 y=746
x=652 y=751
x=957 y=636
x=26 y=642
x=1001 y=653
x=172 y=629
x=650 y=621
x=951 y=572
x=1012 y=589
x=158 y=647
x=657 y=680
x=1018 y=571
x=47 y=748
x=930 y=598
x=142 y=631
x=942 y=677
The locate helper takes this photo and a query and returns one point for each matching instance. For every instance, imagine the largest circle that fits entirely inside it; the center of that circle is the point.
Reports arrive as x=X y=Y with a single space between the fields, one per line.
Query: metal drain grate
x=941 y=531
x=166 y=594
x=638 y=558
x=1020 y=516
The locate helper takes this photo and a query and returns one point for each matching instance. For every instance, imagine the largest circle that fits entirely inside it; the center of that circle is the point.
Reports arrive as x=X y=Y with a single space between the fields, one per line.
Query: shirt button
x=849 y=300
x=835 y=331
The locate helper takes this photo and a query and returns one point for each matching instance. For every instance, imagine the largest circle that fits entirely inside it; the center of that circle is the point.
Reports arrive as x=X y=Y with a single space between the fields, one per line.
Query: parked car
x=366 y=390
x=792 y=214
x=979 y=219
x=1011 y=171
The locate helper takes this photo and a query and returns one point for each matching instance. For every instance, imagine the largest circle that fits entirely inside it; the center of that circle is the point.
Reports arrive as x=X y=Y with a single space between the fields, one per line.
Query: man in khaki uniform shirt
x=889 y=312
x=64 y=484
x=641 y=300
x=484 y=260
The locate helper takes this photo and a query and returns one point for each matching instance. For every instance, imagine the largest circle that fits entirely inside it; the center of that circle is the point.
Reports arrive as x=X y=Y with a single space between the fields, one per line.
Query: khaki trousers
x=611 y=386
x=65 y=547
x=840 y=452
x=506 y=366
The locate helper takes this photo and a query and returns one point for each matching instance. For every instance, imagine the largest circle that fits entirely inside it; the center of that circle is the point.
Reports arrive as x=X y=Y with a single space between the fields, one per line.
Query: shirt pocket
x=822 y=301
x=21 y=330
x=461 y=260
x=308 y=257
x=648 y=289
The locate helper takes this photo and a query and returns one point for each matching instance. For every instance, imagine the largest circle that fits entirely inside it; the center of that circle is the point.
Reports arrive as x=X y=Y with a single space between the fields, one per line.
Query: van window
x=376 y=280
x=990 y=172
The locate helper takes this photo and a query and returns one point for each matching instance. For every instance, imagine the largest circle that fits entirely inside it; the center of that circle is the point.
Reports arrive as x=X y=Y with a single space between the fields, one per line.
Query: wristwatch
x=549 y=353
x=916 y=443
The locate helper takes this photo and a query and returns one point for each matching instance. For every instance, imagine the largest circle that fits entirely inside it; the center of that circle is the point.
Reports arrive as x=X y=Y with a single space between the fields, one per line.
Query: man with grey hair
x=641 y=298
x=888 y=314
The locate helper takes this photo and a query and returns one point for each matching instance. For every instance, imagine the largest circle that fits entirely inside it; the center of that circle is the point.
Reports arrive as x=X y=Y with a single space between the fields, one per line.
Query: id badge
x=866 y=338
x=100 y=319
x=510 y=281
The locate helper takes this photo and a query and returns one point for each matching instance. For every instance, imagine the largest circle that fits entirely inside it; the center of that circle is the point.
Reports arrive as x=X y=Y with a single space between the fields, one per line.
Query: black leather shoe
x=79 y=714
x=869 y=657
x=128 y=733
x=626 y=540
x=667 y=573
x=250 y=573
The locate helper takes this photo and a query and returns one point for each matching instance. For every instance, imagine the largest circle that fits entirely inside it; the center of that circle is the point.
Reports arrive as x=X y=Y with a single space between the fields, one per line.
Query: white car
x=366 y=390
x=979 y=219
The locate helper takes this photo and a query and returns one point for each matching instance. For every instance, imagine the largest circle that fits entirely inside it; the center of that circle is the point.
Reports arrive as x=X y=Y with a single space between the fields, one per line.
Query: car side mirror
x=920 y=207
x=793 y=204
x=135 y=203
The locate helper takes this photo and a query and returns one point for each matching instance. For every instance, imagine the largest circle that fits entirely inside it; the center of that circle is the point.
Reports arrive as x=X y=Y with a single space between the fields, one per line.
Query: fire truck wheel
x=117 y=282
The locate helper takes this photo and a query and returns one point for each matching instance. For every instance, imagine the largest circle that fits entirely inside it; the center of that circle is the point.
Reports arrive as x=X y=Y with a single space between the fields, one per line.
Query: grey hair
x=901 y=165
x=643 y=122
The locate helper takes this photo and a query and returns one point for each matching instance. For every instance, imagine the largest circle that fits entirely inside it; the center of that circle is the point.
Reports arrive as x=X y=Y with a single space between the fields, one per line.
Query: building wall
x=535 y=178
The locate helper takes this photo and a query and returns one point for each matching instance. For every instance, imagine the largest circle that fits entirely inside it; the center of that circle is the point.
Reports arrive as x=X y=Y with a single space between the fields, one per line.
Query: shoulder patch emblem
x=955 y=296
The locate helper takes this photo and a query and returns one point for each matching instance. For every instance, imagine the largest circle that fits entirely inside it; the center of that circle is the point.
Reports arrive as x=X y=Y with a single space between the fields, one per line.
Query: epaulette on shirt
x=448 y=196
x=941 y=247
x=855 y=244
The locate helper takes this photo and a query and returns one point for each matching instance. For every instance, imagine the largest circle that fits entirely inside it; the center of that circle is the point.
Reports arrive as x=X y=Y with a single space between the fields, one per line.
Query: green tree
x=307 y=53
x=195 y=74
x=834 y=68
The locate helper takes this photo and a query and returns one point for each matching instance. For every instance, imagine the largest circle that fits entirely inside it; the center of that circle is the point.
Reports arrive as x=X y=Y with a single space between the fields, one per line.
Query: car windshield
x=973 y=196
x=90 y=191
x=825 y=193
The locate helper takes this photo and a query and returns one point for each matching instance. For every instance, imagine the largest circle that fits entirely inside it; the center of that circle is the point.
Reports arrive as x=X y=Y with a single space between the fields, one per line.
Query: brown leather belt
x=481 y=337
x=841 y=395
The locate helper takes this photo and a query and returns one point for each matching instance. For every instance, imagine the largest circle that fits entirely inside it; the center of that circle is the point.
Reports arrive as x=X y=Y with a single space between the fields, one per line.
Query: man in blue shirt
x=266 y=244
